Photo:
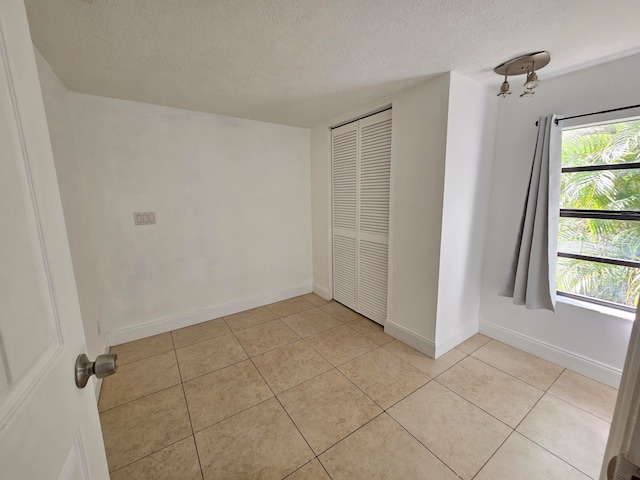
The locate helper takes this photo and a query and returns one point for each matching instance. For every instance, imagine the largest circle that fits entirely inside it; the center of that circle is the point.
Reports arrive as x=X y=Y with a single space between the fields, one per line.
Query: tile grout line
x=149 y=454
x=478 y=406
x=278 y=400
x=184 y=393
x=518 y=378
x=427 y=448
x=553 y=454
x=494 y=453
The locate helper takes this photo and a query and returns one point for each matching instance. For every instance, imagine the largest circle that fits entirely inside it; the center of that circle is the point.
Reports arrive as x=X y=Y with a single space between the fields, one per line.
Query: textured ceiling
x=302 y=62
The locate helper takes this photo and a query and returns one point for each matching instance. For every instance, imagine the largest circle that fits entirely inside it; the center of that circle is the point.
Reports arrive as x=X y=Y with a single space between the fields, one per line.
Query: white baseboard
x=573 y=361
x=412 y=339
x=174 y=322
x=322 y=291
x=454 y=339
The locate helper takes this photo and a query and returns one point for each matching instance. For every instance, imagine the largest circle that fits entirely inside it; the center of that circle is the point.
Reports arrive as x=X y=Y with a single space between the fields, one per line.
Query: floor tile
x=422 y=362
x=594 y=397
x=138 y=379
x=327 y=408
x=572 y=434
x=503 y=396
x=261 y=442
x=528 y=368
x=317 y=300
x=288 y=366
x=225 y=392
x=530 y=461
x=384 y=377
x=472 y=344
x=143 y=348
x=340 y=312
x=371 y=330
x=381 y=450
x=207 y=356
x=199 y=332
x=457 y=432
x=249 y=318
x=136 y=429
x=265 y=337
x=290 y=306
x=311 y=471
x=178 y=461
x=340 y=344
x=311 y=322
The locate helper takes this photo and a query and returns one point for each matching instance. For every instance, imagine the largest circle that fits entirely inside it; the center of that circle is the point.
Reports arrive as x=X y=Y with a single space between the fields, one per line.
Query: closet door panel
x=344 y=271
x=373 y=225
x=372 y=292
x=344 y=147
x=375 y=171
x=361 y=169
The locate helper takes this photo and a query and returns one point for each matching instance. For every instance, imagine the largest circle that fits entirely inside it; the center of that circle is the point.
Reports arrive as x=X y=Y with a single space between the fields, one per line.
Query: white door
x=361 y=172
x=49 y=429
x=624 y=437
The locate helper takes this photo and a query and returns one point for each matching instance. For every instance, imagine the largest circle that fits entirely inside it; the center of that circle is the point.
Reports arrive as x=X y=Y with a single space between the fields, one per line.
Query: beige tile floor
x=306 y=389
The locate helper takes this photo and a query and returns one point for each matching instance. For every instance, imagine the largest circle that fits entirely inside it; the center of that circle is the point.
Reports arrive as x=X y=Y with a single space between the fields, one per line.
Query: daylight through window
x=599 y=234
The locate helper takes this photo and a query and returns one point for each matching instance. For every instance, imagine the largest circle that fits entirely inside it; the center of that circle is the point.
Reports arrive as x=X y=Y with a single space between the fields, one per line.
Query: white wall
x=77 y=205
x=427 y=135
x=584 y=340
x=469 y=158
x=418 y=141
x=418 y=148
x=232 y=202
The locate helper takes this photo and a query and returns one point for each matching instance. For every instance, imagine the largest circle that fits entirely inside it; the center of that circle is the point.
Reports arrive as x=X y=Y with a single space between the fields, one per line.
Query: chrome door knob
x=104 y=366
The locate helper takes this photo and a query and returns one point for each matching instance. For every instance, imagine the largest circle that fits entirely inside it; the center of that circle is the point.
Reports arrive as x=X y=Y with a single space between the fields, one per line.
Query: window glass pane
x=601 y=238
x=601 y=190
x=598 y=280
x=601 y=144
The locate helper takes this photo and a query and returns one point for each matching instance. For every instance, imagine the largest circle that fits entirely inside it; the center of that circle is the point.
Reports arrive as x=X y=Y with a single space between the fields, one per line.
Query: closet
x=361 y=172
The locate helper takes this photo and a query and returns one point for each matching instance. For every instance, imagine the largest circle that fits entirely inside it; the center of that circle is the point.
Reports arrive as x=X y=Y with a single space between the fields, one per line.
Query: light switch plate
x=144 y=218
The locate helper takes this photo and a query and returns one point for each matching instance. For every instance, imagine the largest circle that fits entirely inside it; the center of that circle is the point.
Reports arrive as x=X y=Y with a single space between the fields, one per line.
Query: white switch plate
x=144 y=218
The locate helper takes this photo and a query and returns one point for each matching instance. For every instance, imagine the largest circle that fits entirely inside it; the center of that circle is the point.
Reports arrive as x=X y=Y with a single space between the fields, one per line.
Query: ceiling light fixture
x=504 y=88
x=524 y=64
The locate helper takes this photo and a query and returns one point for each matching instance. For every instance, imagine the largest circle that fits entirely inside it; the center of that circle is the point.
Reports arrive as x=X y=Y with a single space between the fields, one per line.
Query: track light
x=504 y=88
x=532 y=80
x=523 y=65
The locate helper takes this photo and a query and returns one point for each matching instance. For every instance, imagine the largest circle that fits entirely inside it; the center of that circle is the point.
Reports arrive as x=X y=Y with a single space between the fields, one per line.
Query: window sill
x=613 y=312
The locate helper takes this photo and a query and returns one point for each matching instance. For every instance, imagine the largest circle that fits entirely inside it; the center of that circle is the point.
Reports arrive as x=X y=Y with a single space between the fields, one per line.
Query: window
x=599 y=231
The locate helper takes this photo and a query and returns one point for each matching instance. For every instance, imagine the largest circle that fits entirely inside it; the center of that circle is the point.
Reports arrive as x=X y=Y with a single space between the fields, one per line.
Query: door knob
x=104 y=366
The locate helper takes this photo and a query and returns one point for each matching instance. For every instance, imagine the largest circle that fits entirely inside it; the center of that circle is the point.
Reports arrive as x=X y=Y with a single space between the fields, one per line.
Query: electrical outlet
x=144 y=218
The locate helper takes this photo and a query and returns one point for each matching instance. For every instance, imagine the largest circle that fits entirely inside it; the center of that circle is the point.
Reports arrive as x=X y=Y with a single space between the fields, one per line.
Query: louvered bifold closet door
x=373 y=215
x=344 y=146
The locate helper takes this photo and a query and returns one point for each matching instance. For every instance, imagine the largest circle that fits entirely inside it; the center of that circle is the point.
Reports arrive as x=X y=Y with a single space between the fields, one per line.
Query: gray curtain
x=532 y=278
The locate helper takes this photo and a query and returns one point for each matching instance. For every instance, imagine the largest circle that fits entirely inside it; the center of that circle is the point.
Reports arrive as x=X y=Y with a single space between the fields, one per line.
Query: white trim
x=604 y=310
x=322 y=291
x=455 y=338
x=412 y=339
x=162 y=325
x=565 y=358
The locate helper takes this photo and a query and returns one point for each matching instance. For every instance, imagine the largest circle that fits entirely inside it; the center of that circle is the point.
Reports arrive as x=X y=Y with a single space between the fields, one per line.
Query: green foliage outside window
x=611 y=190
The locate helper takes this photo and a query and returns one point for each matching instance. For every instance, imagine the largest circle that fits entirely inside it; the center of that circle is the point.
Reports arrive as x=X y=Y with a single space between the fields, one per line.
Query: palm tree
x=601 y=190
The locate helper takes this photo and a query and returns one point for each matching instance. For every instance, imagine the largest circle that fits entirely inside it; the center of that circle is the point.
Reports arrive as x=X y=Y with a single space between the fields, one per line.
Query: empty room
x=368 y=239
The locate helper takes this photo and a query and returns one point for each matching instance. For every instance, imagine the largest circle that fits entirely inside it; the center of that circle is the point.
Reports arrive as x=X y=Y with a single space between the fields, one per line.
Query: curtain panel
x=532 y=278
